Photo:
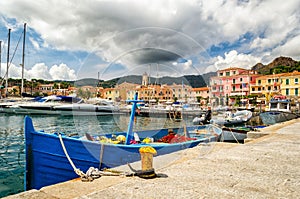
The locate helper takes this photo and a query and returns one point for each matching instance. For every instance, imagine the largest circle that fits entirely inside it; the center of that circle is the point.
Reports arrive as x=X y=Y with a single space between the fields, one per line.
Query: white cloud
x=290 y=48
x=40 y=71
x=34 y=43
x=62 y=72
x=124 y=31
x=233 y=59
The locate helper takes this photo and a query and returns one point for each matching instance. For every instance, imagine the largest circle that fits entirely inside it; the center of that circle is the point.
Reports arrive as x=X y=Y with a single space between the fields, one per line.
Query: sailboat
x=4 y=106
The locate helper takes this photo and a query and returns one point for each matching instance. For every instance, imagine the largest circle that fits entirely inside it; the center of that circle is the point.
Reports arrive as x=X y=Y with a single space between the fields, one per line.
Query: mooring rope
x=77 y=171
x=234 y=136
x=92 y=173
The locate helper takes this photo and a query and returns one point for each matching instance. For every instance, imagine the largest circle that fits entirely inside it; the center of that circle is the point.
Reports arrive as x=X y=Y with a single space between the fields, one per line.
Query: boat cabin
x=279 y=104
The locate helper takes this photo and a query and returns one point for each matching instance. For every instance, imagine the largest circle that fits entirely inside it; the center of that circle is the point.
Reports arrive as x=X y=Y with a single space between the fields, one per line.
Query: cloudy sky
x=73 y=39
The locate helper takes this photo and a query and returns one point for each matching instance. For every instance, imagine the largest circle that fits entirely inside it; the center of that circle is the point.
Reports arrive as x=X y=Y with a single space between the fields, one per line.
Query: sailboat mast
x=0 y=60
x=23 y=60
x=0 y=68
x=7 y=63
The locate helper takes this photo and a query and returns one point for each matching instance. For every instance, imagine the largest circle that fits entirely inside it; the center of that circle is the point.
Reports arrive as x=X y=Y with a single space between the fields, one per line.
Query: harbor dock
x=266 y=166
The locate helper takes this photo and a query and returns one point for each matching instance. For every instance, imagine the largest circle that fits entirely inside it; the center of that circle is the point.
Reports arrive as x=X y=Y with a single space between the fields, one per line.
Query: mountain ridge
x=278 y=65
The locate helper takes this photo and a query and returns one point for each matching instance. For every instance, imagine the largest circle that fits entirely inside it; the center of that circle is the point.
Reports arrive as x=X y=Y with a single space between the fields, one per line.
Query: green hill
x=193 y=80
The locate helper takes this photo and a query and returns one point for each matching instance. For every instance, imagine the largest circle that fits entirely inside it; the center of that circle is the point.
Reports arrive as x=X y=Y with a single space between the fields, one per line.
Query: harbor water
x=12 y=156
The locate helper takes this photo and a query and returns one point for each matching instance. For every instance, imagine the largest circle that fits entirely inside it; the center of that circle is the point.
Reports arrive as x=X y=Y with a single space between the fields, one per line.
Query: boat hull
x=47 y=164
x=273 y=117
x=233 y=134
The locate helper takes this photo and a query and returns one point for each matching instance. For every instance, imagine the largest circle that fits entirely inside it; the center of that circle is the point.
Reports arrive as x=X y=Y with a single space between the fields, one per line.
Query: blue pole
x=129 y=135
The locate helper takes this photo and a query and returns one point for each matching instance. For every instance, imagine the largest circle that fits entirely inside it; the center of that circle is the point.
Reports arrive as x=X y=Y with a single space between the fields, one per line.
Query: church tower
x=145 y=79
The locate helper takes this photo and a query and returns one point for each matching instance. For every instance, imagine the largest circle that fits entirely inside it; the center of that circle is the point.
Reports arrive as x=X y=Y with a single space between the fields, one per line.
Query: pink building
x=230 y=83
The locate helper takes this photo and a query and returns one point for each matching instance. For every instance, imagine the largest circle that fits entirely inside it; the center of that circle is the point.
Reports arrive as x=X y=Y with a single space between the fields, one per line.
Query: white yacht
x=95 y=106
x=44 y=105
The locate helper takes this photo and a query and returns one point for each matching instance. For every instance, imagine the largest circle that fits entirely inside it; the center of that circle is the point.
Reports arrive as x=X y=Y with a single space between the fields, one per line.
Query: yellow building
x=290 y=84
x=267 y=86
x=123 y=89
x=155 y=92
x=111 y=94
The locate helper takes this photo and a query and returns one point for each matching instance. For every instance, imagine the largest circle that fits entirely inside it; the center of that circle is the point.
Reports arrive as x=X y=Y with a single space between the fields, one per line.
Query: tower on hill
x=145 y=79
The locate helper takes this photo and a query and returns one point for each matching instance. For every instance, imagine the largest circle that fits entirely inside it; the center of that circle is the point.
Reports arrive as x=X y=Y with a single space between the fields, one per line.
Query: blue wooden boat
x=48 y=163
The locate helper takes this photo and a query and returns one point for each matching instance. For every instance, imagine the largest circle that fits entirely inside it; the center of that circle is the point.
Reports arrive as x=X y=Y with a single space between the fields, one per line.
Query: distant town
x=231 y=86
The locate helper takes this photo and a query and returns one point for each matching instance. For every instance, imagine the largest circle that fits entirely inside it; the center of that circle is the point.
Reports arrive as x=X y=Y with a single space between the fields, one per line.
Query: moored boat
x=279 y=111
x=48 y=163
x=97 y=107
x=235 y=134
x=44 y=105
x=233 y=118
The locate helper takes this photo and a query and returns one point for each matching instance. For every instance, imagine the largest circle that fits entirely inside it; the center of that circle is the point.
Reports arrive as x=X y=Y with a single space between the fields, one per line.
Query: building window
x=296 y=80
x=269 y=81
x=227 y=73
x=241 y=79
x=234 y=72
x=287 y=91
x=221 y=74
x=233 y=88
x=287 y=81
x=296 y=92
x=259 y=82
x=269 y=88
x=253 y=89
x=259 y=88
x=233 y=81
x=241 y=87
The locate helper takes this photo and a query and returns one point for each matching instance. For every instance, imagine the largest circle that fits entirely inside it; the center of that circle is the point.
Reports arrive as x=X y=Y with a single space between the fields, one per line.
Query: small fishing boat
x=279 y=111
x=54 y=158
x=235 y=134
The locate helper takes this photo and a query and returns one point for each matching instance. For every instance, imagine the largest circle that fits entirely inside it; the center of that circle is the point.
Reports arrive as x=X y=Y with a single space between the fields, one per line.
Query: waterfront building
x=201 y=94
x=123 y=90
x=182 y=92
x=46 y=89
x=155 y=92
x=267 y=86
x=111 y=94
x=230 y=84
x=290 y=84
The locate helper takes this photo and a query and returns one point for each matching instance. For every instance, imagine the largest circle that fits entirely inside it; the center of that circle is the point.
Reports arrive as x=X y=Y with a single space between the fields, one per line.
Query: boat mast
x=23 y=58
x=0 y=69
x=7 y=64
x=0 y=58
